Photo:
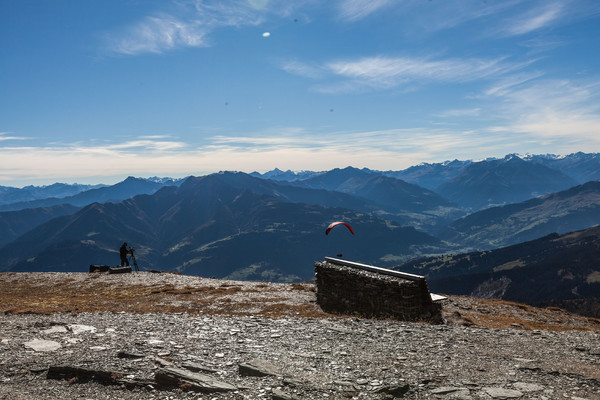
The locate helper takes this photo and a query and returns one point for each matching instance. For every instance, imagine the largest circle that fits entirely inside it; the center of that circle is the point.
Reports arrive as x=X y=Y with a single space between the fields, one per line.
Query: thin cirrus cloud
x=457 y=113
x=158 y=34
x=189 y=26
x=148 y=145
x=554 y=108
x=353 y=10
x=430 y=17
x=429 y=143
x=380 y=73
x=534 y=19
x=384 y=69
x=506 y=84
x=190 y=23
x=6 y=136
x=306 y=70
x=548 y=14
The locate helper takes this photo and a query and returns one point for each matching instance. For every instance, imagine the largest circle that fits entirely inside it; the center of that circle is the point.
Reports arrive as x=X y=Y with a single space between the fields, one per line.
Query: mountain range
x=29 y=193
x=123 y=190
x=569 y=210
x=581 y=167
x=498 y=182
x=430 y=176
x=475 y=185
x=210 y=226
x=554 y=270
x=272 y=226
x=15 y=223
x=389 y=197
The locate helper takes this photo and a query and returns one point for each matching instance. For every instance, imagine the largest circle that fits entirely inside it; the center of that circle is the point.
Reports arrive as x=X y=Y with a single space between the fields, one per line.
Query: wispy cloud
x=147 y=145
x=189 y=24
x=534 y=19
x=353 y=10
x=152 y=137
x=508 y=83
x=158 y=34
x=427 y=16
x=6 y=136
x=545 y=15
x=299 y=68
x=500 y=18
x=380 y=73
x=386 y=70
x=542 y=44
x=553 y=109
x=465 y=112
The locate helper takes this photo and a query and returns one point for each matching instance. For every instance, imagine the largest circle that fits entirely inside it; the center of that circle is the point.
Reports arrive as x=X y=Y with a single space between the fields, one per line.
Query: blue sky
x=94 y=91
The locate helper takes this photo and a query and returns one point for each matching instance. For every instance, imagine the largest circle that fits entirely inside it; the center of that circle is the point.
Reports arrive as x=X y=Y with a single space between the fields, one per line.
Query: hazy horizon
x=106 y=180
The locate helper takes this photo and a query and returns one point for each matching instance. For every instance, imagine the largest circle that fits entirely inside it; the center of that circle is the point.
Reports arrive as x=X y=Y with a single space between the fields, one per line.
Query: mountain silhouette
x=395 y=199
x=15 y=223
x=497 y=182
x=213 y=226
x=582 y=167
x=430 y=175
x=123 y=190
x=290 y=176
x=561 y=212
x=28 y=193
x=557 y=270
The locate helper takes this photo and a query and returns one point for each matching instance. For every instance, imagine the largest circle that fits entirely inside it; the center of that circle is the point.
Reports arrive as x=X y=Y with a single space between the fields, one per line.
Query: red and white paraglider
x=334 y=224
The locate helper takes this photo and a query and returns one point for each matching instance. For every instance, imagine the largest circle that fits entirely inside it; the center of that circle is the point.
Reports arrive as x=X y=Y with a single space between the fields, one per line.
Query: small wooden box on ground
x=119 y=270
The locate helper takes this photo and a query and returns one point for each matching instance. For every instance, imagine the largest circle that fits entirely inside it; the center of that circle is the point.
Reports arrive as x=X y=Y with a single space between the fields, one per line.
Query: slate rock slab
x=395 y=390
x=42 y=345
x=177 y=377
x=130 y=355
x=528 y=387
x=55 y=329
x=83 y=375
x=196 y=367
x=501 y=393
x=77 y=329
x=258 y=368
x=281 y=395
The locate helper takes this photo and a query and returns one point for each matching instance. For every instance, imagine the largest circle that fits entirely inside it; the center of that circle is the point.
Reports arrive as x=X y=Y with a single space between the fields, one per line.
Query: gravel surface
x=323 y=357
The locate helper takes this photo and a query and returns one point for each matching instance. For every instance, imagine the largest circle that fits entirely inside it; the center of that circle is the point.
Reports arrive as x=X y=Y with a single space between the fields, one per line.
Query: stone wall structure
x=345 y=288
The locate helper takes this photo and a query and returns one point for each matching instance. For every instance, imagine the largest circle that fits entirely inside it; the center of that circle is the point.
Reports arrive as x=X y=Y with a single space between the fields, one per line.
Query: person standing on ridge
x=123 y=253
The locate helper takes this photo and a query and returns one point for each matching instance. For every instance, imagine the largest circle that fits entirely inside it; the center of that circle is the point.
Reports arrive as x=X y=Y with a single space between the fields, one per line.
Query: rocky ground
x=165 y=336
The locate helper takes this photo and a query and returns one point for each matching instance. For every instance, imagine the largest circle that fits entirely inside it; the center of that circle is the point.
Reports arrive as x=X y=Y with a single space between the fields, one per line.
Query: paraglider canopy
x=334 y=224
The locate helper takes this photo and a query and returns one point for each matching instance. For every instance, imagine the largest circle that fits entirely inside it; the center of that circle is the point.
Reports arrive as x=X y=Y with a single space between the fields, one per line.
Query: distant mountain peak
x=513 y=156
x=288 y=175
x=514 y=159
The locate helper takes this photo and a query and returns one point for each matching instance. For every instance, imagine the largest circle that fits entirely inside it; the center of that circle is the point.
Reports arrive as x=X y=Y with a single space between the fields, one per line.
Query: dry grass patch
x=307 y=287
x=502 y=314
x=49 y=293
x=100 y=292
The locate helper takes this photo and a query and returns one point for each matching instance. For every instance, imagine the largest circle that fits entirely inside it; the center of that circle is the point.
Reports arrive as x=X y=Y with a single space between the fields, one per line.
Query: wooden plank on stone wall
x=372 y=268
